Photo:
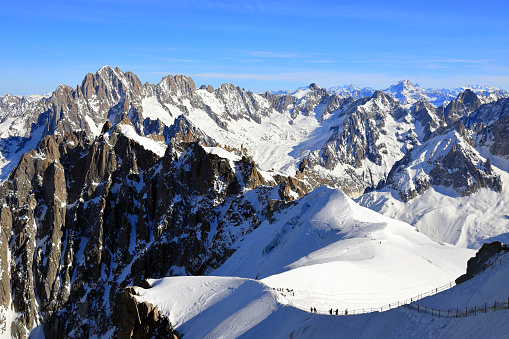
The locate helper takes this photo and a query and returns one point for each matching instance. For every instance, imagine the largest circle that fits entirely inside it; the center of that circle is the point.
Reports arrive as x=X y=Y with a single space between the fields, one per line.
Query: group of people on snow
x=331 y=311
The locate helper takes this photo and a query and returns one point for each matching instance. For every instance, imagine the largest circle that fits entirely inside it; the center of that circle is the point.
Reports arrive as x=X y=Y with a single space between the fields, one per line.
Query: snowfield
x=326 y=252
x=442 y=215
x=336 y=254
x=223 y=307
x=156 y=147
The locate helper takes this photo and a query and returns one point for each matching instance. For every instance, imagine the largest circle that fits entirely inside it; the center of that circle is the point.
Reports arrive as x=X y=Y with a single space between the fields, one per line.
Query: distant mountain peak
x=314 y=86
x=106 y=68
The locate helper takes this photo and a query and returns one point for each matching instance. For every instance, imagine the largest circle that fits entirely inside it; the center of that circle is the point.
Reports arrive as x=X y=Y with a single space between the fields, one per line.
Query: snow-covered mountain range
x=407 y=93
x=113 y=182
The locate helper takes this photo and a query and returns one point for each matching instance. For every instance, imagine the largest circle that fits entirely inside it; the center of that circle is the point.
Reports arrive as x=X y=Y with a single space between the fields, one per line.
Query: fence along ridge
x=460 y=312
x=410 y=303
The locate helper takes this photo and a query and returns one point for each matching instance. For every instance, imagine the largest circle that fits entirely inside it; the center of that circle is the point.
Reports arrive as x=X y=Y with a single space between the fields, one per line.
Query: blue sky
x=258 y=45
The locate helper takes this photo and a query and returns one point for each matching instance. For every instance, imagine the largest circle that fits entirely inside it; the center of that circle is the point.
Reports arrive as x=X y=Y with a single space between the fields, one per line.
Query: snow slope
x=444 y=216
x=221 y=307
x=157 y=147
x=335 y=253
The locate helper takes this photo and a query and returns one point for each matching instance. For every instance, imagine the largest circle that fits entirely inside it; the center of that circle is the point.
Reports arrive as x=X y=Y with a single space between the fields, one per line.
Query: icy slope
x=230 y=305
x=444 y=216
x=335 y=253
x=215 y=307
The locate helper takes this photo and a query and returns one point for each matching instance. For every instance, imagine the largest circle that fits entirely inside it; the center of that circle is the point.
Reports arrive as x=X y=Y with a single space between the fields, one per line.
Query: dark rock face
x=426 y=115
x=489 y=113
x=5 y=281
x=475 y=265
x=446 y=160
x=141 y=320
x=357 y=140
x=466 y=103
x=456 y=170
x=89 y=217
x=240 y=104
x=280 y=103
x=495 y=136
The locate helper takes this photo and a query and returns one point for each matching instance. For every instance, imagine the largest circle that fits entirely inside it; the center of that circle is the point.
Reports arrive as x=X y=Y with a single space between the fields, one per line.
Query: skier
x=346 y=312
x=330 y=311
x=314 y=309
x=337 y=311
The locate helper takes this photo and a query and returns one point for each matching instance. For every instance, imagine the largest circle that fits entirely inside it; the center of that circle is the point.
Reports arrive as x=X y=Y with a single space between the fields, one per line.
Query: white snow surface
x=222 y=153
x=155 y=146
x=442 y=215
x=154 y=110
x=331 y=253
x=226 y=307
x=334 y=253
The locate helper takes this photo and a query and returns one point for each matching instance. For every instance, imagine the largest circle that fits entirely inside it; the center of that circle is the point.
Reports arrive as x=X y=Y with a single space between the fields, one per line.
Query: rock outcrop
x=483 y=257
x=141 y=320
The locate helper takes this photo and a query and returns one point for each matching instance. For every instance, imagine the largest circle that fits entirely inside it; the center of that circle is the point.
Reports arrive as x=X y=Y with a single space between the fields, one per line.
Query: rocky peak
x=242 y=104
x=426 y=115
x=313 y=87
x=108 y=82
x=458 y=166
x=9 y=99
x=209 y=88
x=466 y=103
x=179 y=85
x=401 y=86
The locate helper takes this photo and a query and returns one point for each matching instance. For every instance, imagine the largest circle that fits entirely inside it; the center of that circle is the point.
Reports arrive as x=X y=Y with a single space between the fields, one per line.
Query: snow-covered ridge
x=208 y=307
x=328 y=245
x=156 y=147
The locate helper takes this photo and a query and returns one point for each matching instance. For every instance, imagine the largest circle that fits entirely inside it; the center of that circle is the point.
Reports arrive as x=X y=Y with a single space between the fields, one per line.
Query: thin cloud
x=234 y=76
x=322 y=61
x=322 y=78
x=180 y=60
x=268 y=54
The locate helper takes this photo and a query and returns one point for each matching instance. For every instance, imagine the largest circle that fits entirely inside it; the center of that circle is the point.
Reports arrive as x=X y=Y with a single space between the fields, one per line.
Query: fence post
x=484 y=307
x=457 y=312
